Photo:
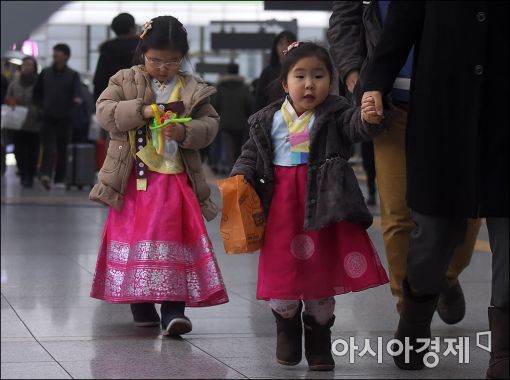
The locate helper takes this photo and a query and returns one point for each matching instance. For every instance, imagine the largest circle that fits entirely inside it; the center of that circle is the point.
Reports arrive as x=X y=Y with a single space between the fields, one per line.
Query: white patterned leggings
x=321 y=310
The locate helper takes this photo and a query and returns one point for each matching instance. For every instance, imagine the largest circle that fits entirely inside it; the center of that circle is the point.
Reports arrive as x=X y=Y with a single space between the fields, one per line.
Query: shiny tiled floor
x=50 y=328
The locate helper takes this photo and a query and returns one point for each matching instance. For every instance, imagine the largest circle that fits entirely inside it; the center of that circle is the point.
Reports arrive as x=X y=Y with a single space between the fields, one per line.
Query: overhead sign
x=298 y=5
x=244 y=41
x=214 y=68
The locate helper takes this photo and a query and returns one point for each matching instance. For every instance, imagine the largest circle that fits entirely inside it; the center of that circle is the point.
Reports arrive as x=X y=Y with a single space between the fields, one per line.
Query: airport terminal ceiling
x=85 y=25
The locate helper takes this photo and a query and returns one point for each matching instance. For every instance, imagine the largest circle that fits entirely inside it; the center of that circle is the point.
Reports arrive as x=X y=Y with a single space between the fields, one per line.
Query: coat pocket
x=113 y=173
x=115 y=155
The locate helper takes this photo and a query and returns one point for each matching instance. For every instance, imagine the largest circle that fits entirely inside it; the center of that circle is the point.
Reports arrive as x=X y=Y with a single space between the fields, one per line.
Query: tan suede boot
x=415 y=319
x=451 y=306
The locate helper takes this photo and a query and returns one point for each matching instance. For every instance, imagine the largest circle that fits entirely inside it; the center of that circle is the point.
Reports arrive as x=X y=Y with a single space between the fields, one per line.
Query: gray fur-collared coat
x=333 y=193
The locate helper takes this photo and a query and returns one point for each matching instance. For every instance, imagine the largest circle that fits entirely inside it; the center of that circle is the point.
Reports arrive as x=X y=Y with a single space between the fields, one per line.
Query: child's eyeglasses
x=158 y=64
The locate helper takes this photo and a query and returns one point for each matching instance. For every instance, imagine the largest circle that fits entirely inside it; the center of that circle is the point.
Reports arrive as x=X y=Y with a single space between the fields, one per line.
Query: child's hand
x=371 y=107
x=148 y=112
x=174 y=131
x=10 y=100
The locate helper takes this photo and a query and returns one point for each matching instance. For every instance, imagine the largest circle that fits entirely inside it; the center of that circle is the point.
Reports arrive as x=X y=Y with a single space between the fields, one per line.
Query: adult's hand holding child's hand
x=372 y=107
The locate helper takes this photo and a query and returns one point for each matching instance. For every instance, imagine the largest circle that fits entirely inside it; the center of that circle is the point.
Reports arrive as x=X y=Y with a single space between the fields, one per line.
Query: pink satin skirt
x=298 y=264
x=157 y=248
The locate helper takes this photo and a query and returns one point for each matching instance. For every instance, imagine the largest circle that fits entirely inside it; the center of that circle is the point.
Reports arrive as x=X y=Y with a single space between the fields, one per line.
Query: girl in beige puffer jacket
x=155 y=247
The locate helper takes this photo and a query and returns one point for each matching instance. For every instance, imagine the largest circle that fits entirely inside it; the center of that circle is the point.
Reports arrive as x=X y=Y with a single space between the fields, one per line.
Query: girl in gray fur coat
x=316 y=245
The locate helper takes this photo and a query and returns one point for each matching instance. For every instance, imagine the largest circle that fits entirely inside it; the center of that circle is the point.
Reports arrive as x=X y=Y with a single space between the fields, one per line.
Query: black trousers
x=232 y=141
x=431 y=248
x=3 y=157
x=55 y=136
x=7 y=135
x=26 y=150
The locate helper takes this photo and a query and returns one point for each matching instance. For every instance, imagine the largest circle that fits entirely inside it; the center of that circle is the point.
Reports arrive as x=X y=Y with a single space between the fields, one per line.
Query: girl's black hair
x=28 y=80
x=64 y=48
x=289 y=36
x=303 y=50
x=31 y=58
x=166 y=32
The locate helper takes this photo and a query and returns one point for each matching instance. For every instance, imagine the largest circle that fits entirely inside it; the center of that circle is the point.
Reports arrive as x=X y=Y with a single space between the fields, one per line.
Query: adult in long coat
x=457 y=148
x=354 y=30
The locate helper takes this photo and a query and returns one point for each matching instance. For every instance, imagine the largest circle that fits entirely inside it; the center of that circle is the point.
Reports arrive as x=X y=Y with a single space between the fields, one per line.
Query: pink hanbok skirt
x=298 y=264
x=157 y=248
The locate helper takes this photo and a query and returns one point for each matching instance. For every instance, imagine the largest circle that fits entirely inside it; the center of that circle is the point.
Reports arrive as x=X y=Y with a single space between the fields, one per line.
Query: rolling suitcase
x=81 y=165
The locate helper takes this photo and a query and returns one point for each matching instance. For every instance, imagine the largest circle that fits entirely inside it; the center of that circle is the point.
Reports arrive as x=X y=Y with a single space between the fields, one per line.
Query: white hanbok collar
x=164 y=86
x=290 y=108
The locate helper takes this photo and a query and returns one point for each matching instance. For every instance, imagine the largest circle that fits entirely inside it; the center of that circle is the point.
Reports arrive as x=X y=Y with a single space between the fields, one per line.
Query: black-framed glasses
x=159 y=64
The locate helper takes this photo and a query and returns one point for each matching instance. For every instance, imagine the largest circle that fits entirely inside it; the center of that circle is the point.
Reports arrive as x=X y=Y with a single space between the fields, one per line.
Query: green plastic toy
x=169 y=117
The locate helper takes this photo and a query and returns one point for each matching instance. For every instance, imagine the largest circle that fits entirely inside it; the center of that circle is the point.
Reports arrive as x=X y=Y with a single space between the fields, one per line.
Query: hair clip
x=146 y=27
x=291 y=46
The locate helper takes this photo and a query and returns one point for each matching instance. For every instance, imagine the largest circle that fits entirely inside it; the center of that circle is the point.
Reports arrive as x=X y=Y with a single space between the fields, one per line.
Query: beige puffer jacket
x=119 y=109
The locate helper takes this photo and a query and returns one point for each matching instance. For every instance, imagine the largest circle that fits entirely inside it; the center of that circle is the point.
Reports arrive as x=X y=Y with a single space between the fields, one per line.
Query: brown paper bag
x=242 y=220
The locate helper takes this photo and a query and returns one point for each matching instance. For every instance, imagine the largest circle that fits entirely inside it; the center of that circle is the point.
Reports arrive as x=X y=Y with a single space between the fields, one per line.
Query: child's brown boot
x=318 y=344
x=289 y=339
